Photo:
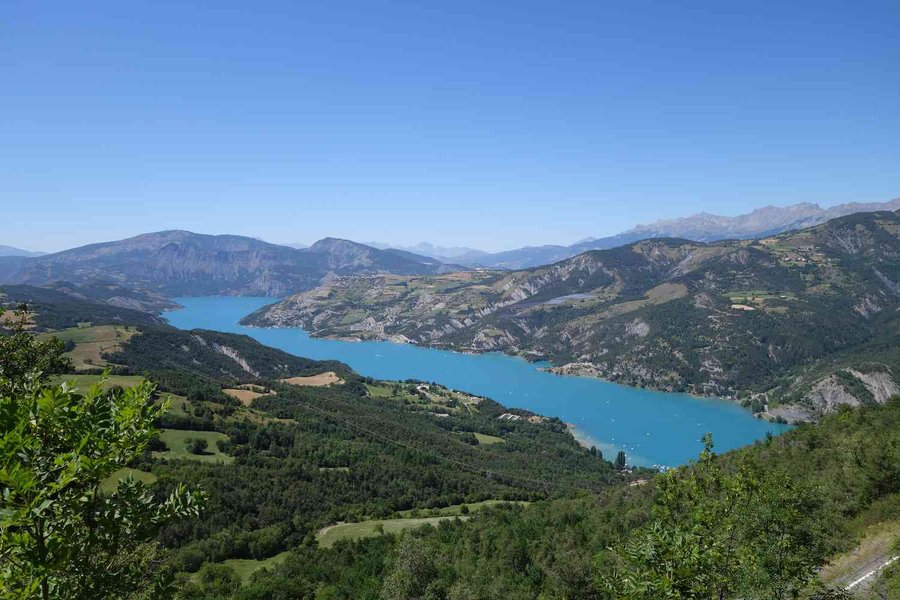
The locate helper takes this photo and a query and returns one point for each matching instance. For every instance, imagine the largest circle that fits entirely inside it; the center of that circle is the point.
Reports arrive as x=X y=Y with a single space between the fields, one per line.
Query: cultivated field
x=428 y=397
x=245 y=567
x=176 y=440
x=84 y=382
x=246 y=394
x=322 y=379
x=487 y=440
x=92 y=341
x=329 y=536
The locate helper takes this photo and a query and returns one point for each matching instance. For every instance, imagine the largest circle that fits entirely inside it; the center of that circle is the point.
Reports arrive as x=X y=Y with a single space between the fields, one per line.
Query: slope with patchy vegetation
x=807 y=317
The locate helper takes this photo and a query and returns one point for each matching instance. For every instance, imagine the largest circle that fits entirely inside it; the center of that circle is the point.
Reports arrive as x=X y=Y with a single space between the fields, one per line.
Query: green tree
x=196 y=445
x=23 y=358
x=620 y=461
x=720 y=532
x=414 y=571
x=212 y=582
x=60 y=537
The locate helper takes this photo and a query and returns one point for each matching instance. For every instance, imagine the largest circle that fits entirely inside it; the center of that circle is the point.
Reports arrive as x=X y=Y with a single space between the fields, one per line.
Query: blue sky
x=489 y=124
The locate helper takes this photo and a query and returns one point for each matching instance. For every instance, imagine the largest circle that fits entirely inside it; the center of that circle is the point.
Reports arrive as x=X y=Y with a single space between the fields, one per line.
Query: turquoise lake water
x=653 y=428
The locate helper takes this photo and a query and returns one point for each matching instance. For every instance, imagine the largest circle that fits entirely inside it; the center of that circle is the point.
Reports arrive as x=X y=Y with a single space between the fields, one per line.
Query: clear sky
x=489 y=124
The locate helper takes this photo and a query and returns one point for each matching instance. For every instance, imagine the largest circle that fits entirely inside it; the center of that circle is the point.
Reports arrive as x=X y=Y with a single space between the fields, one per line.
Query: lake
x=653 y=428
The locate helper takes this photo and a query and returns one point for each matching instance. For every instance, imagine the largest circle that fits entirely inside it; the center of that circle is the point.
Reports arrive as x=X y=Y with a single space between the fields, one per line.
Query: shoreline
x=607 y=438
x=572 y=369
x=585 y=441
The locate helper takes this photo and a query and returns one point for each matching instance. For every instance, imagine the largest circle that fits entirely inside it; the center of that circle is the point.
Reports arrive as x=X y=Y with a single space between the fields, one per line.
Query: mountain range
x=181 y=263
x=809 y=318
x=703 y=227
x=455 y=254
x=10 y=251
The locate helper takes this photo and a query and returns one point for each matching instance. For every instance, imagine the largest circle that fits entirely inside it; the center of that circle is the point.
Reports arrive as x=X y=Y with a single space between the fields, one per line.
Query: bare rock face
x=235 y=356
x=637 y=328
x=880 y=384
x=831 y=392
x=867 y=307
x=828 y=394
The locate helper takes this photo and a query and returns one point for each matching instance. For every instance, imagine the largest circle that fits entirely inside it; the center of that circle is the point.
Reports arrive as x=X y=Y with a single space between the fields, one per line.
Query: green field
x=92 y=342
x=379 y=391
x=176 y=439
x=456 y=509
x=84 y=382
x=112 y=482
x=759 y=296
x=329 y=536
x=245 y=567
x=180 y=405
x=487 y=440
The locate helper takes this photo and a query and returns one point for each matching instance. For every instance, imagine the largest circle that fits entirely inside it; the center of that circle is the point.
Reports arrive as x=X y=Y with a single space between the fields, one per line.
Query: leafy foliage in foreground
x=25 y=360
x=60 y=537
x=720 y=534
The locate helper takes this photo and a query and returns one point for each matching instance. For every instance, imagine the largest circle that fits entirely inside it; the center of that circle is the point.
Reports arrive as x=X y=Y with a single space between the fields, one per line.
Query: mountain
x=10 y=251
x=703 y=227
x=175 y=263
x=809 y=318
x=342 y=255
x=458 y=254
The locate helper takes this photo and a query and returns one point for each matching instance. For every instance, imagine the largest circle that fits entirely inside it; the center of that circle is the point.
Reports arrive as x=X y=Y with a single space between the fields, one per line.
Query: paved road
x=863 y=578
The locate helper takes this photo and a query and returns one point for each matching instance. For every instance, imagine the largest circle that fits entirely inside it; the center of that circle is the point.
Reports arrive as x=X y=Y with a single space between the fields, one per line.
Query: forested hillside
x=823 y=489
x=285 y=446
x=807 y=317
x=68 y=306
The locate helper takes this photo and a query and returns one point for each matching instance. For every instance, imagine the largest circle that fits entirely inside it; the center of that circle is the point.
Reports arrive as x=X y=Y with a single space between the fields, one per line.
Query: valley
x=795 y=323
x=651 y=427
x=450 y=301
x=336 y=464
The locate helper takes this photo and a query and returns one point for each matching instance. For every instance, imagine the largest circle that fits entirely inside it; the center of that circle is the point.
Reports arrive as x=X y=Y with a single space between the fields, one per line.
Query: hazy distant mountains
x=176 y=263
x=703 y=227
x=455 y=254
x=184 y=263
x=10 y=251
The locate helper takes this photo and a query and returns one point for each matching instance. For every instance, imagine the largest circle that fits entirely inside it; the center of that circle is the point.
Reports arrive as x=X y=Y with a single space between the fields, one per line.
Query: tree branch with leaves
x=60 y=535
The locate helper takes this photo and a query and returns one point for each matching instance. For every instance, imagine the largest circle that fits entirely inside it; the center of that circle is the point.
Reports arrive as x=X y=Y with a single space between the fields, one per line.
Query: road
x=864 y=577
